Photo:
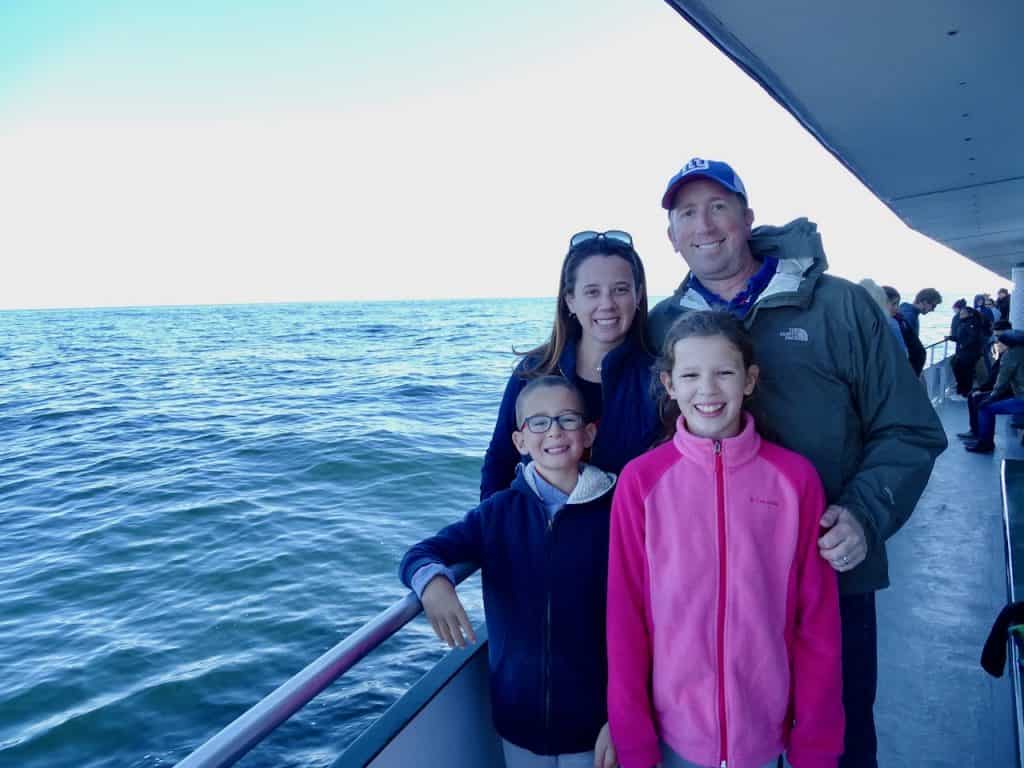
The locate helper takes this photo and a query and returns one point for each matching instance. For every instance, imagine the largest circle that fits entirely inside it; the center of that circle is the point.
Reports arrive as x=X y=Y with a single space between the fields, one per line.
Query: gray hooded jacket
x=834 y=387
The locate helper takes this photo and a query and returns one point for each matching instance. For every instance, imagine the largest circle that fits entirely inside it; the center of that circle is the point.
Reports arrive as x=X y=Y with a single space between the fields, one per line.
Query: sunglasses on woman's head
x=615 y=235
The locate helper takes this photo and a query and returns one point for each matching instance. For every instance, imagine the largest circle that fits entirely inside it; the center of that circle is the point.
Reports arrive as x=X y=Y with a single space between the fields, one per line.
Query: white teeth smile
x=709 y=245
x=709 y=409
x=606 y=321
x=557 y=449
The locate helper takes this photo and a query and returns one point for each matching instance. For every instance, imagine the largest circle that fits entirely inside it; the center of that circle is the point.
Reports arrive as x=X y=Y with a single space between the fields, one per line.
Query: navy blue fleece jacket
x=544 y=587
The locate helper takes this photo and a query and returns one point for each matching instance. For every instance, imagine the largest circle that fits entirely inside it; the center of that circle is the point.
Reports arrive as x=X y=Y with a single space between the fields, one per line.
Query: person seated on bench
x=980 y=393
x=1007 y=395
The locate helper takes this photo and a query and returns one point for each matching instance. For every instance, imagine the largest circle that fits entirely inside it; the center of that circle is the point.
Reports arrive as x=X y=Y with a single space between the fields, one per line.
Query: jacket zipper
x=547 y=635
x=720 y=499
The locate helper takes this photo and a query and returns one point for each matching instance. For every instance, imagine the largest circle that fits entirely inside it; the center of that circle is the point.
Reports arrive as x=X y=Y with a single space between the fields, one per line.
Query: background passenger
x=915 y=350
x=882 y=300
x=1007 y=395
x=958 y=305
x=970 y=340
x=981 y=393
x=926 y=301
x=598 y=343
x=1003 y=304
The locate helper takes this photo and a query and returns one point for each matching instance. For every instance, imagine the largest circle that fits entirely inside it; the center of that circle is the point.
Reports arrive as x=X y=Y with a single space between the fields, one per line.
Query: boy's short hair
x=547 y=382
x=928 y=296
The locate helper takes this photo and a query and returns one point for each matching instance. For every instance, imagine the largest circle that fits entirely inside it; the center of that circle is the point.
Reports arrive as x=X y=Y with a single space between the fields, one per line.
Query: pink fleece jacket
x=723 y=619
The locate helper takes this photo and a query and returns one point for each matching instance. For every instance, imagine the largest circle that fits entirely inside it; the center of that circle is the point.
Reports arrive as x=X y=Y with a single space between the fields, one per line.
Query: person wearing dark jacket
x=926 y=301
x=542 y=545
x=598 y=342
x=958 y=305
x=1007 y=397
x=1003 y=304
x=835 y=387
x=981 y=393
x=911 y=341
x=970 y=338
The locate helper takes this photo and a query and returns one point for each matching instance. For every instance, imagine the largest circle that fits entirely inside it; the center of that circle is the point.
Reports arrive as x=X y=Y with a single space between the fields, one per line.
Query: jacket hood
x=592 y=485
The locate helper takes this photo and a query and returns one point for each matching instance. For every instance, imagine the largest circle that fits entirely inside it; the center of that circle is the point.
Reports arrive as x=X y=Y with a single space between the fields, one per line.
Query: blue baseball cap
x=699 y=168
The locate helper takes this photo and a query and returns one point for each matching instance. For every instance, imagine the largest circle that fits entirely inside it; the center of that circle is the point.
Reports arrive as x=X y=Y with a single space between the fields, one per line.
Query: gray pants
x=517 y=757
x=670 y=759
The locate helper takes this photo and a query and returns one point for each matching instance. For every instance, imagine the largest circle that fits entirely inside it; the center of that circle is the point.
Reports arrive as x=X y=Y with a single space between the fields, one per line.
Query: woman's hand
x=446 y=614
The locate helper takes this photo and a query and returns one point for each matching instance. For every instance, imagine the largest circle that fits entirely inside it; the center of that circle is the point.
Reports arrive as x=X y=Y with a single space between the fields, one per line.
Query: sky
x=210 y=152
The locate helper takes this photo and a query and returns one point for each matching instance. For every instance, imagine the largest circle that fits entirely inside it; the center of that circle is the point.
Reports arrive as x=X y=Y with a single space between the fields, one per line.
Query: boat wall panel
x=444 y=719
x=455 y=730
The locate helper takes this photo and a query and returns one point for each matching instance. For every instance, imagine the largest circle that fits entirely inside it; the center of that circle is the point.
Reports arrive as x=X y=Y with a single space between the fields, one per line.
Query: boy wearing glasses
x=542 y=545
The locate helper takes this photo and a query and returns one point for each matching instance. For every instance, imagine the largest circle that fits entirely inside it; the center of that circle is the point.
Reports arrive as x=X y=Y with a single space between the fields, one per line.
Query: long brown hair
x=543 y=360
x=703 y=324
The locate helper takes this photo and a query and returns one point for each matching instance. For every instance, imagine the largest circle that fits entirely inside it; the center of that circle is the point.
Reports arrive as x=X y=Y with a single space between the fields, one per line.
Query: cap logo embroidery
x=795 y=334
x=696 y=164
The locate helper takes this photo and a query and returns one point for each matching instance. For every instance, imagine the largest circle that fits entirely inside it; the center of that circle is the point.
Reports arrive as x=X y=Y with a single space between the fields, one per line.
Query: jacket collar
x=612 y=361
x=801 y=261
x=735 y=450
x=592 y=485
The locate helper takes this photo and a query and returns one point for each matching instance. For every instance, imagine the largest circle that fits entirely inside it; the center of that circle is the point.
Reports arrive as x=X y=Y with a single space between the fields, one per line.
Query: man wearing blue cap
x=834 y=386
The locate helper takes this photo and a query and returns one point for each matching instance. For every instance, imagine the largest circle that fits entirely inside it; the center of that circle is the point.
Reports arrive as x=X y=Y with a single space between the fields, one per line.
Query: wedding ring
x=844 y=559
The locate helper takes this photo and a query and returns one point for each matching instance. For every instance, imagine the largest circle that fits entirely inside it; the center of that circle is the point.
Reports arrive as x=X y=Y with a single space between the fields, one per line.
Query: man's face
x=926 y=307
x=709 y=227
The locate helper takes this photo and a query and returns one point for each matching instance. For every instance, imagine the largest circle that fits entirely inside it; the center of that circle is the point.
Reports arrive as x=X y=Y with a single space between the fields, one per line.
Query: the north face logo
x=794 y=334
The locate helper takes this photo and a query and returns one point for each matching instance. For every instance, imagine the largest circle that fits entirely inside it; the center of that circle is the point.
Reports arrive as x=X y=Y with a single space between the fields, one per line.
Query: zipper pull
x=718 y=452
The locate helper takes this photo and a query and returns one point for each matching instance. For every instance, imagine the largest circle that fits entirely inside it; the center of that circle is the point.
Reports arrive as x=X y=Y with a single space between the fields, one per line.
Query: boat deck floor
x=936 y=706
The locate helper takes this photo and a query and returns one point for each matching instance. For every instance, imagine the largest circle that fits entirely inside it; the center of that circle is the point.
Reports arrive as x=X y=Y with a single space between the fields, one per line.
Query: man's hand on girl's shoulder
x=446 y=614
x=844 y=546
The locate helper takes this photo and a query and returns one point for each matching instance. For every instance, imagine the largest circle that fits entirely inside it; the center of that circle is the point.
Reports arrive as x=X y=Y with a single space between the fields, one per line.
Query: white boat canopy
x=920 y=99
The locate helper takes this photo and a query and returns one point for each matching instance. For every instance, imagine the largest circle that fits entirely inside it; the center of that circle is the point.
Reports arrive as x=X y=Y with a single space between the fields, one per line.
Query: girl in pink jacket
x=723 y=619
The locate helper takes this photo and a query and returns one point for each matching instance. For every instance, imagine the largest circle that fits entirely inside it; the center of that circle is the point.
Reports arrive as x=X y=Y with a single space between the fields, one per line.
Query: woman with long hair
x=597 y=342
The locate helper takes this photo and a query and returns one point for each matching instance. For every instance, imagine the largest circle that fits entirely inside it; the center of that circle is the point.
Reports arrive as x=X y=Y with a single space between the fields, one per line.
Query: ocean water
x=195 y=502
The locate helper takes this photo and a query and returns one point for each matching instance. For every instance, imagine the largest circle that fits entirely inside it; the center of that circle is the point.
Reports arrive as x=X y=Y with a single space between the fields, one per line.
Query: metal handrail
x=252 y=726
x=930 y=349
x=937 y=376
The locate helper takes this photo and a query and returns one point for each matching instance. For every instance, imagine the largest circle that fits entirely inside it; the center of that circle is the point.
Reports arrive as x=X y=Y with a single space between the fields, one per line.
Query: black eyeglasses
x=615 y=235
x=539 y=424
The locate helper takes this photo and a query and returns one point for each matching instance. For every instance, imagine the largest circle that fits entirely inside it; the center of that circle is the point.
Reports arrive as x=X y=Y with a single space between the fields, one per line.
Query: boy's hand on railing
x=446 y=614
x=604 y=750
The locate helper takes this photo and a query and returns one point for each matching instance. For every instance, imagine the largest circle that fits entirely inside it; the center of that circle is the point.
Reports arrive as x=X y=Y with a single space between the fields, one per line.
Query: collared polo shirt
x=742 y=302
